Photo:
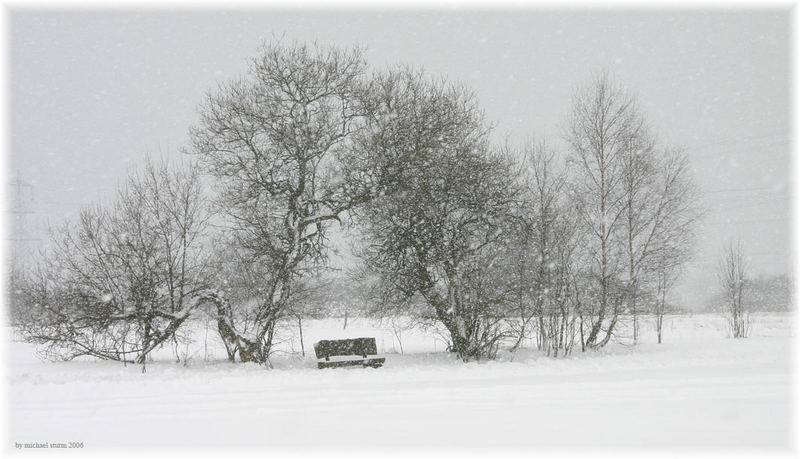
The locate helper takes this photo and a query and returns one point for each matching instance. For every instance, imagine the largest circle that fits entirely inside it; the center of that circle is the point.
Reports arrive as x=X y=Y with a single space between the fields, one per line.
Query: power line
x=738 y=190
x=761 y=220
x=742 y=148
x=781 y=133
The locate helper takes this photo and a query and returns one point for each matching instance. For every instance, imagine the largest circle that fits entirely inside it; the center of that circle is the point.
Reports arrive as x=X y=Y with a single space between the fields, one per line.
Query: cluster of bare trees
x=496 y=245
x=503 y=249
x=546 y=284
x=605 y=234
x=635 y=204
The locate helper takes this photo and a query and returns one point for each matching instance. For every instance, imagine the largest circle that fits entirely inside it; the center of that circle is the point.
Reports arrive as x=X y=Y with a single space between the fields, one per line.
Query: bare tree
x=123 y=279
x=442 y=210
x=664 y=279
x=605 y=124
x=733 y=277
x=636 y=202
x=273 y=140
x=638 y=170
x=543 y=255
x=672 y=230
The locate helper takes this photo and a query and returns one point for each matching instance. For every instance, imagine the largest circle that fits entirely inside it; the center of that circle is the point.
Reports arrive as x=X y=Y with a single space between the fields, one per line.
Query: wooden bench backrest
x=355 y=346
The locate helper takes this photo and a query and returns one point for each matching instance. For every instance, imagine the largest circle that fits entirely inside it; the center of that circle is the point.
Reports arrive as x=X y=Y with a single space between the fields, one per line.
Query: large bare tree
x=443 y=208
x=273 y=141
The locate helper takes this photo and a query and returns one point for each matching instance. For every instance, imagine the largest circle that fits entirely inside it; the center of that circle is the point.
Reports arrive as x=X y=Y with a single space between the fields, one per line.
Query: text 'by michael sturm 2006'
x=38 y=445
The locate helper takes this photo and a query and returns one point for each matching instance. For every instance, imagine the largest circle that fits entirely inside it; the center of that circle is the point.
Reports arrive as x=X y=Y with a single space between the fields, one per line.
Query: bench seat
x=374 y=362
x=348 y=352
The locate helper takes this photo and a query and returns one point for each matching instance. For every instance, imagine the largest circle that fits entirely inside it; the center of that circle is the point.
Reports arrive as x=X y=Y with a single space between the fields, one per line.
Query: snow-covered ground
x=699 y=389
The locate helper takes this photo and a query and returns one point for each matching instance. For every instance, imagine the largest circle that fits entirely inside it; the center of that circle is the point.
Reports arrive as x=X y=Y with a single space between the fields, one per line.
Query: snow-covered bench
x=347 y=352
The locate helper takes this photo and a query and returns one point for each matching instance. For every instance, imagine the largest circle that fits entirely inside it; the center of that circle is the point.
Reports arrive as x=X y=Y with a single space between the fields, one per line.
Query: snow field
x=699 y=389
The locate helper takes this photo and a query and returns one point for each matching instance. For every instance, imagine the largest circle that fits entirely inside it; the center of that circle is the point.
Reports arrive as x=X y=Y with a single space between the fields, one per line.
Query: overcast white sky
x=92 y=92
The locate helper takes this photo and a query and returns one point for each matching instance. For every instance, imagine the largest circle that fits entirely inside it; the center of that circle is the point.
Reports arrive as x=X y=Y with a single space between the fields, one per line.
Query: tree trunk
x=659 y=324
x=635 y=321
x=583 y=342
x=145 y=347
x=300 y=326
x=592 y=339
x=205 y=344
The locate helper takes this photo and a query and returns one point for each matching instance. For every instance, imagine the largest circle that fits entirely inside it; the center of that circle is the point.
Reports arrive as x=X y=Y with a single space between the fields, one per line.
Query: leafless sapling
x=733 y=277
